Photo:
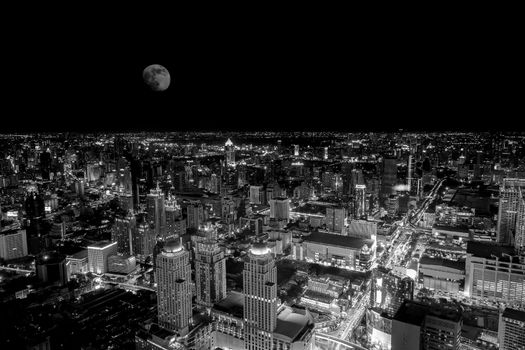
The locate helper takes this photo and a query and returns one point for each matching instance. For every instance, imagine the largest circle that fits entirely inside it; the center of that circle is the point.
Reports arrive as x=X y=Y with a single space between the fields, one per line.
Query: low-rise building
x=348 y=252
x=77 y=263
x=122 y=264
x=493 y=272
x=442 y=274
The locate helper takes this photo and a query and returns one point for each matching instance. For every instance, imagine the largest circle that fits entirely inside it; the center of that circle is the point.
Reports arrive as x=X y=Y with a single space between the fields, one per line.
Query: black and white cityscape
x=293 y=182
x=262 y=240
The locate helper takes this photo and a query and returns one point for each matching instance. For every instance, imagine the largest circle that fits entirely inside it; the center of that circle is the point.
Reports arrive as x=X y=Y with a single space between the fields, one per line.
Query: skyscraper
x=156 y=211
x=510 y=199
x=389 y=178
x=195 y=215
x=124 y=232
x=229 y=150
x=280 y=209
x=511 y=330
x=256 y=194
x=260 y=298
x=335 y=219
x=360 y=208
x=210 y=273
x=173 y=276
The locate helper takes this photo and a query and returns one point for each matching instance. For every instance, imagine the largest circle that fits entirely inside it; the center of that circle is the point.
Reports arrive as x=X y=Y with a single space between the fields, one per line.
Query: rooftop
x=101 y=244
x=338 y=240
x=451 y=228
x=488 y=249
x=514 y=314
x=79 y=255
x=414 y=313
x=292 y=323
x=233 y=304
x=457 y=265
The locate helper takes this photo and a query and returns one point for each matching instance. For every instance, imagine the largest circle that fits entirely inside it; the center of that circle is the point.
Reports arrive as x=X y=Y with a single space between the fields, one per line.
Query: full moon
x=156 y=77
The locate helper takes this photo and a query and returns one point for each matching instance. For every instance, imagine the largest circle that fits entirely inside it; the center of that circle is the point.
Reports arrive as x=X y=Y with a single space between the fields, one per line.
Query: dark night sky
x=80 y=77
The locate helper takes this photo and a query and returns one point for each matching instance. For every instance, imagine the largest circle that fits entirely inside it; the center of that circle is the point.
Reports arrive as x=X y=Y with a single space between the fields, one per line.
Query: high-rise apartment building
x=256 y=194
x=510 y=200
x=155 y=207
x=124 y=232
x=210 y=273
x=335 y=219
x=280 y=209
x=389 y=178
x=195 y=215
x=260 y=298
x=360 y=207
x=173 y=277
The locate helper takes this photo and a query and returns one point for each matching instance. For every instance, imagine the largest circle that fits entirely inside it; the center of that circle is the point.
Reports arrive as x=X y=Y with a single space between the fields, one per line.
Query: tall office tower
x=511 y=330
x=511 y=218
x=124 y=232
x=229 y=151
x=174 y=220
x=45 y=164
x=346 y=173
x=98 y=254
x=357 y=178
x=173 y=276
x=510 y=197
x=136 y=170
x=389 y=178
x=280 y=209
x=228 y=210
x=360 y=207
x=195 y=215
x=35 y=212
x=260 y=298
x=296 y=150
x=335 y=219
x=210 y=273
x=13 y=244
x=125 y=181
x=156 y=210
x=409 y=174
x=519 y=242
x=256 y=194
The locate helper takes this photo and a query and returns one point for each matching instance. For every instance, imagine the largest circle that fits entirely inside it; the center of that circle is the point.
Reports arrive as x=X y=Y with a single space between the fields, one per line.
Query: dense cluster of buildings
x=274 y=241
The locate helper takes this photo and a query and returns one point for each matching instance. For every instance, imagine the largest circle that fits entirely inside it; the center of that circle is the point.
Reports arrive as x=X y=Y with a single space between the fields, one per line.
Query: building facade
x=98 y=256
x=260 y=298
x=210 y=273
x=510 y=201
x=13 y=244
x=173 y=277
x=511 y=330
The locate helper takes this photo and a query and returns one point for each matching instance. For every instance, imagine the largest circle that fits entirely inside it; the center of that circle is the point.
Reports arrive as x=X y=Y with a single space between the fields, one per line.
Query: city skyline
x=259 y=185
